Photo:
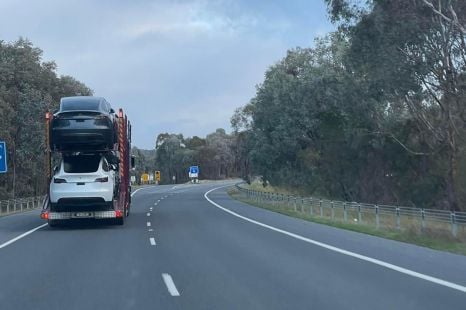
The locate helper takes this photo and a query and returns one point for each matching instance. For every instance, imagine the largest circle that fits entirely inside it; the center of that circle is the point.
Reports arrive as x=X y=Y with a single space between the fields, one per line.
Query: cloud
x=174 y=65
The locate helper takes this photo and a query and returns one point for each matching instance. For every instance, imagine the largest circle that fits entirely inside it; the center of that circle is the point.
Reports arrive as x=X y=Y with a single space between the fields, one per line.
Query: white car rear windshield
x=81 y=163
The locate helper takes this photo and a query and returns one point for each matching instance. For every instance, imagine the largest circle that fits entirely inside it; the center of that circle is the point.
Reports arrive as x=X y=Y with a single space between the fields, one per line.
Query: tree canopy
x=28 y=88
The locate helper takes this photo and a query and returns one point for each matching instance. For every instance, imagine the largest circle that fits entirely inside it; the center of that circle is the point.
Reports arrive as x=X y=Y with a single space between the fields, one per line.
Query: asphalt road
x=177 y=250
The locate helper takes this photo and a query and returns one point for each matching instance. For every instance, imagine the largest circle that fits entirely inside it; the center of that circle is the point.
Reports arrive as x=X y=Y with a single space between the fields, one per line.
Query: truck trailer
x=73 y=190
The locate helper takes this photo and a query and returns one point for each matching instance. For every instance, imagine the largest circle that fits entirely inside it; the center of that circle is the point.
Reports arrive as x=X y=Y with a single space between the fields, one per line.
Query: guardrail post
x=359 y=213
x=345 y=212
x=398 y=226
x=377 y=220
x=320 y=206
x=333 y=211
x=311 y=208
x=8 y=207
x=423 y=219
x=302 y=205
x=294 y=204
x=454 y=226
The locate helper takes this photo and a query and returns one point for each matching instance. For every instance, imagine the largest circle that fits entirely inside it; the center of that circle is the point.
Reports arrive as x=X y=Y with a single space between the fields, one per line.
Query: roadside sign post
x=3 y=164
x=145 y=178
x=194 y=173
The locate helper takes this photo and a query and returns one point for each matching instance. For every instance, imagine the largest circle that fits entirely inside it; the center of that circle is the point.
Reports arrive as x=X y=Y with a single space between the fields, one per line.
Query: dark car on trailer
x=83 y=122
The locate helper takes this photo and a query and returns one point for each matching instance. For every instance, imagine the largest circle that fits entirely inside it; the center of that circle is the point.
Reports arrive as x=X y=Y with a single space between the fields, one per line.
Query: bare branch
x=439 y=12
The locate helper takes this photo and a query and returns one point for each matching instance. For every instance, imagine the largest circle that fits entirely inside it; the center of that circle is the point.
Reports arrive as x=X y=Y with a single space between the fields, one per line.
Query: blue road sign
x=3 y=165
x=194 y=169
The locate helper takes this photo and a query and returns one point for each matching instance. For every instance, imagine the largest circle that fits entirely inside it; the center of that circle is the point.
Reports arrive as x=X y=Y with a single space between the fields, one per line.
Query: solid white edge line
x=152 y=241
x=132 y=194
x=409 y=272
x=170 y=284
x=22 y=235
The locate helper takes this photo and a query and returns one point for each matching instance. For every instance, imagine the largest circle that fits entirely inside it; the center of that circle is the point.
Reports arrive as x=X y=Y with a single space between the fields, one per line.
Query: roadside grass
x=431 y=238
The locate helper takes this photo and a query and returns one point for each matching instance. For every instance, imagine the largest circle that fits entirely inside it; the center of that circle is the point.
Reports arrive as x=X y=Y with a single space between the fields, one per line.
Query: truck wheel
x=120 y=221
x=53 y=223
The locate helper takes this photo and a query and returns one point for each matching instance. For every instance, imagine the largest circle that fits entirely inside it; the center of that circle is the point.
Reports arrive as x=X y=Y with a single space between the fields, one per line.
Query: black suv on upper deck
x=83 y=123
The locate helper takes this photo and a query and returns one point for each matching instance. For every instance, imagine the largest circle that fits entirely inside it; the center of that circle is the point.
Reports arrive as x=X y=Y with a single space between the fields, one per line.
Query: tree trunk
x=451 y=176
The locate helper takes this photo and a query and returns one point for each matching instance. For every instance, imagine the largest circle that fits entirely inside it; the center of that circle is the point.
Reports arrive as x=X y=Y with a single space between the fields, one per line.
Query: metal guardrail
x=20 y=205
x=380 y=216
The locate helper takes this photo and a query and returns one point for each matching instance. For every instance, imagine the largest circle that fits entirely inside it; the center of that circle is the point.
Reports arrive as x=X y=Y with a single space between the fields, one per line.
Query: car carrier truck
x=91 y=181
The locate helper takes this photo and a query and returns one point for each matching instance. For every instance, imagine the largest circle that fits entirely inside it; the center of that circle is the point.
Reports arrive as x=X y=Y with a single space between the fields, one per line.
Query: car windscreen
x=81 y=163
x=79 y=106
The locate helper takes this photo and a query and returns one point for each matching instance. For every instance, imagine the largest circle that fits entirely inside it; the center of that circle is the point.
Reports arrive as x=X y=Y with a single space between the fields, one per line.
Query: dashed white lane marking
x=152 y=241
x=148 y=213
x=150 y=209
x=341 y=251
x=150 y=229
x=43 y=225
x=170 y=284
x=148 y=224
x=22 y=236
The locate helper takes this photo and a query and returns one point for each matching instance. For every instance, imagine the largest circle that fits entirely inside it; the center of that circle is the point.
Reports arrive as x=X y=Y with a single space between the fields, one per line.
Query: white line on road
x=22 y=235
x=148 y=213
x=43 y=225
x=152 y=241
x=140 y=189
x=148 y=224
x=150 y=229
x=170 y=284
x=341 y=251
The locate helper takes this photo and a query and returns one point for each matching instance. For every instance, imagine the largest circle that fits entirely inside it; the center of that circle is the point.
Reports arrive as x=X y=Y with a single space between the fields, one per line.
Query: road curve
x=177 y=250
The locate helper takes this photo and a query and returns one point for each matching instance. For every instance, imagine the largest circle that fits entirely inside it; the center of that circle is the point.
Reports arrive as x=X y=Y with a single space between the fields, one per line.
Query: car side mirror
x=112 y=111
x=114 y=167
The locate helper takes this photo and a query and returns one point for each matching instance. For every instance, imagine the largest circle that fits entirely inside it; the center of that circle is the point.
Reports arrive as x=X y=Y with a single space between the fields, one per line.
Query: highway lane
x=213 y=260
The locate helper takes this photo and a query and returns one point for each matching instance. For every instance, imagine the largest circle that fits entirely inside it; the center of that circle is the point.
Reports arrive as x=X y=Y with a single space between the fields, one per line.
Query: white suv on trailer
x=82 y=182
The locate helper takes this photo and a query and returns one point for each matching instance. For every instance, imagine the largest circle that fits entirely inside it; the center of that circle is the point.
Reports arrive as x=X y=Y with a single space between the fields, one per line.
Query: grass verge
x=442 y=242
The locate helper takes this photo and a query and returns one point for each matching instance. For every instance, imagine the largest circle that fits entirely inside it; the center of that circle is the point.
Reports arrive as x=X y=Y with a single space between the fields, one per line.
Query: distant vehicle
x=83 y=122
x=83 y=182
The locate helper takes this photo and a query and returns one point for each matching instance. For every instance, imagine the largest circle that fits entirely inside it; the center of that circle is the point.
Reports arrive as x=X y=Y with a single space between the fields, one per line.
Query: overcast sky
x=174 y=66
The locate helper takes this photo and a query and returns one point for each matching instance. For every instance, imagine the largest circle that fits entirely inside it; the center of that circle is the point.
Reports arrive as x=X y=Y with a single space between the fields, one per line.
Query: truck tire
x=53 y=223
x=120 y=221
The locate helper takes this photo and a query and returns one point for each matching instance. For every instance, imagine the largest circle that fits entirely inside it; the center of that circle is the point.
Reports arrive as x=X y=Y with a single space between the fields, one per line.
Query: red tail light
x=44 y=215
x=58 y=180
x=119 y=213
x=102 y=180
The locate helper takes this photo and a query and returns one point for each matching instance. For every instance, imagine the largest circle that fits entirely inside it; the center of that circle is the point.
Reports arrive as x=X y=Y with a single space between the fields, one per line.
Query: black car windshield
x=81 y=163
x=79 y=106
